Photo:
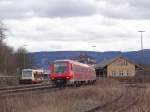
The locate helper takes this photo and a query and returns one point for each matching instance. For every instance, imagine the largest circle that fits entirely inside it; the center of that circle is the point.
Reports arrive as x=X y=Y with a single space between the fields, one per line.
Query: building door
x=101 y=73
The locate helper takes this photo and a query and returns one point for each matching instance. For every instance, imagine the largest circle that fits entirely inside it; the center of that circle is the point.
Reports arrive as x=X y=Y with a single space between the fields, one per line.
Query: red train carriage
x=70 y=72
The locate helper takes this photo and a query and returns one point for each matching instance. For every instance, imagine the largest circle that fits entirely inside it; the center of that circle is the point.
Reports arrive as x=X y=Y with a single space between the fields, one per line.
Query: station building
x=117 y=67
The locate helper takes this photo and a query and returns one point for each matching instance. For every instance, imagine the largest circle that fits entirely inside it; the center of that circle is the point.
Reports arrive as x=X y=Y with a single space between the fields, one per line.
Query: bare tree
x=2 y=32
x=23 y=58
x=10 y=61
x=2 y=45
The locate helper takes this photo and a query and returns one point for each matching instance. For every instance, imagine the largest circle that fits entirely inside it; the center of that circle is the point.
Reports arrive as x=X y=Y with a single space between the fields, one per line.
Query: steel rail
x=20 y=86
x=134 y=102
x=121 y=108
x=100 y=107
x=22 y=89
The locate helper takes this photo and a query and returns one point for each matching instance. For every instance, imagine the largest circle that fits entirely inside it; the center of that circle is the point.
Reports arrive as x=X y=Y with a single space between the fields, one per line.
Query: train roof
x=32 y=70
x=72 y=61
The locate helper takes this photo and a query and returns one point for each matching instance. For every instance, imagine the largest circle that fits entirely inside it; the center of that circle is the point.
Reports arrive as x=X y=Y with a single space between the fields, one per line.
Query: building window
x=125 y=74
x=113 y=73
x=121 y=62
x=128 y=73
x=121 y=73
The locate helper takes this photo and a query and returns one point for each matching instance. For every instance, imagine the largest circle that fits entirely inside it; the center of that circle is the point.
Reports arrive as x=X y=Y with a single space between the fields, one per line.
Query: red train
x=69 y=72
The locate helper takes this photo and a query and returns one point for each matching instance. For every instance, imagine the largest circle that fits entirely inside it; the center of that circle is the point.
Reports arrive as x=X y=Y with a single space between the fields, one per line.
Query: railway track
x=23 y=88
x=123 y=102
x=19 y=86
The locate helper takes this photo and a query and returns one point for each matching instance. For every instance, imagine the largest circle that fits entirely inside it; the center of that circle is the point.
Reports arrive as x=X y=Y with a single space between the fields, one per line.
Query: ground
x=70 y=99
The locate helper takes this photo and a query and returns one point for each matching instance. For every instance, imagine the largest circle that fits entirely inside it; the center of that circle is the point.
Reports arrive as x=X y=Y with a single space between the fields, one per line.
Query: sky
x=60 y=25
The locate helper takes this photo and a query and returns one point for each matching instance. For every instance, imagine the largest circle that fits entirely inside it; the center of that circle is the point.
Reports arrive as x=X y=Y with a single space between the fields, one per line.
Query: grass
x=143 y=103
x=66 y=100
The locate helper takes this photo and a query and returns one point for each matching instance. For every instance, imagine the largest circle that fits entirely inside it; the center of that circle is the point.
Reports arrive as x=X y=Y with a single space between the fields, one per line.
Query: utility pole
x=93 y=47
x=142 y=52
x=94 y=50
x=95 y=55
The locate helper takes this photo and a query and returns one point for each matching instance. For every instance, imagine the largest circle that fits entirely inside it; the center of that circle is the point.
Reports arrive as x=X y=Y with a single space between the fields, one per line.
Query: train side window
x=35 y=74
x=79 y=69
x=75 y=68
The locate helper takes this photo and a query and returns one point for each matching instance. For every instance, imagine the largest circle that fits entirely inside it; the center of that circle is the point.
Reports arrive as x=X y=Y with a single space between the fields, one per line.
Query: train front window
x=27 y=74
x=60 y=67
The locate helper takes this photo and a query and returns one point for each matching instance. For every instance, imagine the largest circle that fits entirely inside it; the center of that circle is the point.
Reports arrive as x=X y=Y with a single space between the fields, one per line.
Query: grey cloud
x=144 y=4
x=119 y=9
x=46 y=8
x=13 y=9
x=64 y=8
x=125 y=9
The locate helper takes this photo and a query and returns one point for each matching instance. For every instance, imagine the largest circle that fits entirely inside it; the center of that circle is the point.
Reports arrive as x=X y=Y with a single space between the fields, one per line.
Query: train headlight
x=52 y=78
x=68 y=77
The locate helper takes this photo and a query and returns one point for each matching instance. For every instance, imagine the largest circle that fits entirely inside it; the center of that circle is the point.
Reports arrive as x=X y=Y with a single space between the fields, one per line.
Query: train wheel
x=93 y=82
x=77 y=84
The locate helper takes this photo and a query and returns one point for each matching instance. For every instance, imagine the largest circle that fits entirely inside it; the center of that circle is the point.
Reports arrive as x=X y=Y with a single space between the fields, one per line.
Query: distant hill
x=43 y=59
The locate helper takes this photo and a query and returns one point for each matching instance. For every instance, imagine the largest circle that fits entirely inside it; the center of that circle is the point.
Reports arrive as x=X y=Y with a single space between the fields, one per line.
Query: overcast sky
x=49 y=25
